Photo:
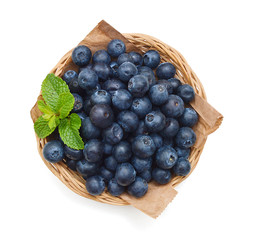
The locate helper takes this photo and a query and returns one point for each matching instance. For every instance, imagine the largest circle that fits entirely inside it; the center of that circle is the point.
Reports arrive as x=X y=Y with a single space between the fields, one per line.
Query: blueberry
x=100 y=97
x=143 y=146
x=116 y=47
x=89 y=66
x=86 y=168
x=81 y=55
x=107 y=149
x=103 y=70
x=125 y=174
x=189 y=118
x=124 y=57
x=138 y=188
x=141 y=129
x=138 y=85
x=157 y=139
x=147 y=72
x=71 y=164
x=122 y=99
x=89 y=130
x=140 y=164
x=146 y=175
x=112 y=134
x=73 y=154
x=122 y=151
x=168 y=142
x=114 y=67
x=93 y=150
x=155 y=121
x=106 y=174
x=151 y=59
x=126 y=71
x=137 y=58
x=69 y=76
x=88 y=79
x=182 y=167
x=161 y=176
x=186 y=92
x=95 y=185
x=167 y=84
x=53 y=151
x=89 y=91
x=82 y=115
x=87 y=106
x=181 y=152
x=110 y=163
x=185 y=137
x=74 y=86
x=101 y=56
x=141 y=106
x=128 y=120
x=101 y=115
x=114 y=188
x=166 y=157
x=78 y=103
x=175 y=83
x=165 y=71
x=174 y=107
x=158 y=94
x=171 y=128
x=113 y=85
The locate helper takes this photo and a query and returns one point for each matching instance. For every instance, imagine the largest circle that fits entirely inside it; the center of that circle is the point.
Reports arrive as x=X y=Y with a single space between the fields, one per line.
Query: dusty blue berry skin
x=167 y=84
x=89 y=66
x=138 y=85
x=165 y=71
x=147 y=72
x=161 y=176
x=89 y=91
x=126 y=71
x=101 y=56
x=107 y=148
x=146 y=175
x=89 y=130
x=137 y=58
x=95 y=185
x=69 y=76
x=182 y=167
x=101 y=115
x=138 y=188
x=158 y=94
x=112 y=85
x=122 y=99
x=88 y=79
x=82 y=115
x=141 y=106
x=71 y=164
x=114 y=188
x=114 y=67
x=53 y=151
x=155 y=121
x=78 y=103
x=189 y=118
x=73 y=154
x=140 y=164
x=116 y=47
x=106 y=174
x=185 y=137
x=74 y=86
x=143 y=146
x=175 y=83
x=157 y=139
x=103 y=71
x=186 y=92
x=81 y=55
x=141 y=129
x=168 y=142
x=122 y=151
x=87 y=106
x=124 y=57
x=128 y=120
x=151 y=59
x=100 y=97
x=183 y=152
x=113 y=134
x=111 y=163
x=171 y=128
x=86 y=168
x=166 y=157
x=125 y=174
x=93 y=150
x=174 y=107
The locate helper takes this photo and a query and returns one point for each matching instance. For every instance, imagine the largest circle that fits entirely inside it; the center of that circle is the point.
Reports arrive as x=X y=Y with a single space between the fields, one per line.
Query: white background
x=219 y=40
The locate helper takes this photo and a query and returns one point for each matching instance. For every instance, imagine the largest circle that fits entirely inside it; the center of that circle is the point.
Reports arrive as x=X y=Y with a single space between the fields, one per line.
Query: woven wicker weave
x=183 y=72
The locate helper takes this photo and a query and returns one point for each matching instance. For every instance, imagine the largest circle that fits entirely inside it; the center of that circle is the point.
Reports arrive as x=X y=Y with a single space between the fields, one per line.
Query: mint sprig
x=56 y=107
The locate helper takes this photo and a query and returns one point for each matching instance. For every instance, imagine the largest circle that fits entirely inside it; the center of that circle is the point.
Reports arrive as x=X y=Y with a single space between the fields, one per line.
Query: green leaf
x=69 y=131
x=51 y=88
x=44 y=108
x=42 y=128
x=65 y=104
x=52 y=122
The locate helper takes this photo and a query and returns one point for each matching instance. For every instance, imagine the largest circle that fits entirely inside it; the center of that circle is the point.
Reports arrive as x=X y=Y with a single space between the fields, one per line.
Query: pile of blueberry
x=136 y=128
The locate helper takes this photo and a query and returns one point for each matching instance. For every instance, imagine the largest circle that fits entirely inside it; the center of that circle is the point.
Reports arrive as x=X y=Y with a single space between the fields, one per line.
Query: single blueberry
x=189 y=117
x=110 y=163
x=69 y=76
x=107 y=148
x=158 y=94
x=167 y=84
x=146 y=175
x=112 y=134
x=171 y=128
x=128 y=120
x=78 y=103
x=71 y=164
x=138 y=85
x=101 y=56
x=116 y=47
x=101 y=115
x=141 y=129
x=175 y=83
x=141 y=164
x=181 y=152
x=143 y=146
x=100 y=97
x=182 y=167
x=147 y=72
x=166 y=70
x=106 y=174
x=166 y=157
x=122 y=151
x=114 y=188
x=125 y=174
x=126 y=71
x=122 y=99
x=161 y=176
x=174 y=107
x=151 y=59
x=95 y=185
x=124 y=57
x=88 y=79
x=73 y=154
x=186 y=92
x=155 y=121
x=157 y=139
x=86 y=168
x=137 y=58
x=81 y=55
x=93 y=150
x=185 y=137
x=53 y=151
x=138 y=188
x=113 y=85
x=103 y=70
x=141 y=106
x=89 y=130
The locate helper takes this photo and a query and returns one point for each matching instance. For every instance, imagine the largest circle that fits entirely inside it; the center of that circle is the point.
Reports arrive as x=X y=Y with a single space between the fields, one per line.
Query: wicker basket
x=183 y=72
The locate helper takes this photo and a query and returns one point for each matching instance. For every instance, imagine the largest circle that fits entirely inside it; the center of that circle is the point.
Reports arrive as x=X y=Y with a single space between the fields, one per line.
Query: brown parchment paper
x=158 y=196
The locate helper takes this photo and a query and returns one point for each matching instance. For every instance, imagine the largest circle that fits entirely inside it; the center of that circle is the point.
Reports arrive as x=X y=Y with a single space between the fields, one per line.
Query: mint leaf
x=51 y=88
x=69 y=131
x=65 y=104
x=52 y=122
x=44 y=108
x=42 y=128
